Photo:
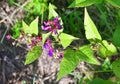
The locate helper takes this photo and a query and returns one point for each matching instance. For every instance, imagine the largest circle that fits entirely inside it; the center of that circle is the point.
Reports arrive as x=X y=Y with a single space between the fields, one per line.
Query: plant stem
x=101 y=71
x=42 y=13
x=4 y=35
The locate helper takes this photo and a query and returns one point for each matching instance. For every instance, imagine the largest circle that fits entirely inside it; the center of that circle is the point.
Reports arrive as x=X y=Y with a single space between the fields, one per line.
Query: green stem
x=4 y=36
x=101 y=71
x=42 y=13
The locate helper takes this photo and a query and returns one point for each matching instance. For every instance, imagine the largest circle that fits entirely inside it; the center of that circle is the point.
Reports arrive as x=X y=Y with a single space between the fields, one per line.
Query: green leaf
x=107 y=49
x=85 y=53
x=83 y=3
x=34 y=26
x=33 y=54
x=25 y=27
x=16 y=29
x=52 y=12
x=116 y=37
x=100 y=81
x=68 y=63
x=71 y=59
x=116 y=67
x=115 y=3
x=66 y=39
x=44 y=37
x=91 y=31
x=32 y=29
x=106 y=64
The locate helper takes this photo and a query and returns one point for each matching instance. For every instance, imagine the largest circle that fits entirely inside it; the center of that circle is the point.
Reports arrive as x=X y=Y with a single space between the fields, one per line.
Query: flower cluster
x=52 y=51
x=52 y=26
x=37 y=40
x=30 y=40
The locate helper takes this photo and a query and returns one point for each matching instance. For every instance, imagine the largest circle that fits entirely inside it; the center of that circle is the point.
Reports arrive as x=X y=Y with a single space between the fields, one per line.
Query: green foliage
x=71 y=59
x=73 y=26
x=32 y=29
x=44 y=37
x=11 y=2
x=106 y=64
x=68 y=63
x=91 y=31
x=37 y=7
x=107 y=49
x=66 y=39
x=116 y=68
x=83 y=3
x=73 y=23
x=52 y=12
x=116 y=37
x=115 y=3
x=16 y=29
x=85 y=53
x=100 y=81
x=33 y=54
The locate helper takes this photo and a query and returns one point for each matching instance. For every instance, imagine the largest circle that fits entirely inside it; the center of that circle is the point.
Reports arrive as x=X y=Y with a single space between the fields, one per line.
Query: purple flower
x=39 y=39
x=48 y=46
x=29 y=46
x=8 y=37
x=52 y=26
x=113 y=58
x=33 y=41
x=61 y=54
x=50 y=52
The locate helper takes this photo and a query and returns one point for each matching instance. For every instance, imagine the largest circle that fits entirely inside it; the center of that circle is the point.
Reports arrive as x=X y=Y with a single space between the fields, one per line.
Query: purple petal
x=56 y=19
x=59 y=27
x=8 y=37
x=47 y=23
x=55 y=32
x=46 y=27
x=46 y=46
x=33 y=41
x=50 y=52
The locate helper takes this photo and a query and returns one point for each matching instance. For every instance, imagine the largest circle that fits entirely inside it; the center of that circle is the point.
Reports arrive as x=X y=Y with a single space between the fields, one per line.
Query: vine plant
x=52 y=35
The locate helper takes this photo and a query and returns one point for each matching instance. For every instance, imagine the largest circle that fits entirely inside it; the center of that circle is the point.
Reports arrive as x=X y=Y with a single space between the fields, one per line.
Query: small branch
x=9 y=18
x=4 y=35
x=21 y=7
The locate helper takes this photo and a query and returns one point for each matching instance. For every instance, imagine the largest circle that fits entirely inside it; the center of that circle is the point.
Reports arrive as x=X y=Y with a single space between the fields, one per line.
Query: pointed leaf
x=25 y=27
x=116 y=67
x=90 y=28
x=44 y=37
x=83 y=3
x=107 y=49
x=33 y=54
x=52 y=12
x=66 y=39
x=85 y=53
x=68 y=63
x=32 y=29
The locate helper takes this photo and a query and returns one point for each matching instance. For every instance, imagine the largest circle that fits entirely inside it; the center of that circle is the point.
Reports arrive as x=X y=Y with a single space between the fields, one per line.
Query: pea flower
x=52 y=26
x=48 y=46
x=8 y=37
x=60 y=55
x=34 y=41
